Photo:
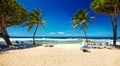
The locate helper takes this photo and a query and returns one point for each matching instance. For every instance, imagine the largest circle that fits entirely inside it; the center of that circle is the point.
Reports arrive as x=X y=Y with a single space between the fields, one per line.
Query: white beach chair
x=45 y=44
x=89 y=45
x=110 y=46
x=83 y=47
x=100 y=46
x=94 y=46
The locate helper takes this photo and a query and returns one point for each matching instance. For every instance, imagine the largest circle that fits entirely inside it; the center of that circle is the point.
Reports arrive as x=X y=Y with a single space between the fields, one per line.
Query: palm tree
x=81 y=19
x=11 y=14
x=112 y=9
x=35 y=20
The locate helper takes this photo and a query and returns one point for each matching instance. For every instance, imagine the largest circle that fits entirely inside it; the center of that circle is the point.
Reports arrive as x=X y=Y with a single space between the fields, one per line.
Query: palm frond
x=86 y=15
x=91 y=17
x=40 y=15
x=75 y=25
x=75 y=29
x=36 y=12
x=83 y=21
x=44 y=21
x=30 y=26
x=35 y=18
x=80 y=19
x=85 y=25
x=43 y=26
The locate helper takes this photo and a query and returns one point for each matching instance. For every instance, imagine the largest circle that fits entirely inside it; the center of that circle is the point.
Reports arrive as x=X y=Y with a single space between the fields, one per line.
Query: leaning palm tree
x=35 y=20
x=80 y=20
x=11 y=14
x=112 y=9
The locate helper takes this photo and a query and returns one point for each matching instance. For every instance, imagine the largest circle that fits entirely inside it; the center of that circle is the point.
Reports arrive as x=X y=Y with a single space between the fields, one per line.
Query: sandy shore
x=60 y=55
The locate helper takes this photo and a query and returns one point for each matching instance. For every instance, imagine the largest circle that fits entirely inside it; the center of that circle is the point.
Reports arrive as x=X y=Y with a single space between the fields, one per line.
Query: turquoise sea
x=59 y=40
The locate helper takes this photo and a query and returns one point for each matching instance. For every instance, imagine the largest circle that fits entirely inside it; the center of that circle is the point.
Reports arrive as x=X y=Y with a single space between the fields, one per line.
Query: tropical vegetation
x=11 y=14
x=35 y=19
x=112 y=9
x=81 y=20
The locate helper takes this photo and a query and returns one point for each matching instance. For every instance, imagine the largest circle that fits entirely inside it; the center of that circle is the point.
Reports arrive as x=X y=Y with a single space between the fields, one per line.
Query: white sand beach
x=60 y=55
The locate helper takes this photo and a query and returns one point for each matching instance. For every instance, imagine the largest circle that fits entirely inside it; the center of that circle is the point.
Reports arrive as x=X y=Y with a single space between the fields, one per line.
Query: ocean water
x=48 y=40
x=60 y=40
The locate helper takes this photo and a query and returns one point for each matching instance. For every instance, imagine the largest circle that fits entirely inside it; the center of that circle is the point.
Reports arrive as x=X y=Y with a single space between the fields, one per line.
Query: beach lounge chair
x=45 y=44
x=24 y=44
x=110 y=46
x=48 y=45
x=94 y=46
x=2 y=46
x=20 y=45
x=89 y=45
x=84 y=48
x=100 y=46
x=16 y=45
x=106 y=44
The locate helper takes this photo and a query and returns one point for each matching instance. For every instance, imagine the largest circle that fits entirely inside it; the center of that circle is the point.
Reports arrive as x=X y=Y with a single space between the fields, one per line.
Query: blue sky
x=58 y=14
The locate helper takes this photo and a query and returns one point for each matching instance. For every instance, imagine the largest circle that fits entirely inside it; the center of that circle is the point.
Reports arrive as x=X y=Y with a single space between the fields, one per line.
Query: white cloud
x=61 y=33
x=52 y=33
x=13 y=33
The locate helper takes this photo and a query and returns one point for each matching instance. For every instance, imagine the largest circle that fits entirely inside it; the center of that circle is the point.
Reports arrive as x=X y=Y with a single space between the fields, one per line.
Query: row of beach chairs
x=97 y=45
x=47 y=44
x=22 y=45
x=19 y=45
x=16 y=45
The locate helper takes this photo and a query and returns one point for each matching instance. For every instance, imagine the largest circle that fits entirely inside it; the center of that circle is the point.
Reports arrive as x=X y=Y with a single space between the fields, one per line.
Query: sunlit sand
x=60 y=55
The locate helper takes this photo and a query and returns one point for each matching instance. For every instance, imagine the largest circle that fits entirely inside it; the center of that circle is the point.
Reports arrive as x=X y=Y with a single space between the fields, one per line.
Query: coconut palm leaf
x=110 y=8
x=30 y=25
x=43 y=21
x=80 y=19
x=75 y=25
x=36 y=20
x=43 y=26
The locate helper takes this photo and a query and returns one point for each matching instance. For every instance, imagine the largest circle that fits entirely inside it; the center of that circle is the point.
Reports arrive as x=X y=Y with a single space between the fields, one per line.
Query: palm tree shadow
x=8 y=49
x=117 y=47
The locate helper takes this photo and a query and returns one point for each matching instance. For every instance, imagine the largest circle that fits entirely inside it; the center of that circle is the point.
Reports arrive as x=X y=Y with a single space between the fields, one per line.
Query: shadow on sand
x=8 y=49
x=117 y=47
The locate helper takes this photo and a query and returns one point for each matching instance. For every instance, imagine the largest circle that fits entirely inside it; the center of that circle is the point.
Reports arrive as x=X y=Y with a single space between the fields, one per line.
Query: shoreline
x=93 y=38
x=59 y=41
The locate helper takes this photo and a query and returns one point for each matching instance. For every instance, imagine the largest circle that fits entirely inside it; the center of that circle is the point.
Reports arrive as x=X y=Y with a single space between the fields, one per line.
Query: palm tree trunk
x=6 y=38
x=34 y=34
x=85 y=34
x=3 y=32
x=114 y=32
x=115 y=36
x=115 y=24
